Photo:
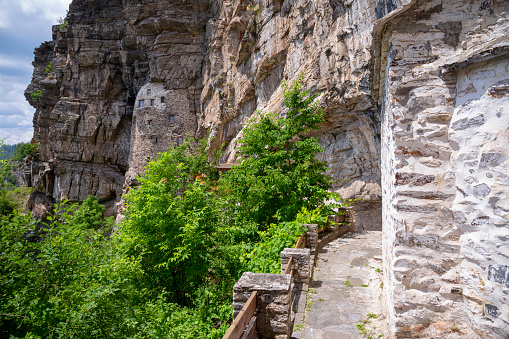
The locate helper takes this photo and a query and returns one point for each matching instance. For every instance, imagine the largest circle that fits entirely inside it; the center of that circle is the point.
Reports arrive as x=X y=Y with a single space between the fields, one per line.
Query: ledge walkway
x=346 y=287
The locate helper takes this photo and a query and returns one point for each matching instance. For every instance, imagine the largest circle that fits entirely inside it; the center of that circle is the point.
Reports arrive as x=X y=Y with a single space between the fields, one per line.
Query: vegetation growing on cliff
x=186 y=238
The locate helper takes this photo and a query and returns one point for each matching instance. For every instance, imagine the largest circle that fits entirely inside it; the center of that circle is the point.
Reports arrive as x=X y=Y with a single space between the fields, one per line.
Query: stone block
x=300 y=264
x=272 y=302
x=312 y=235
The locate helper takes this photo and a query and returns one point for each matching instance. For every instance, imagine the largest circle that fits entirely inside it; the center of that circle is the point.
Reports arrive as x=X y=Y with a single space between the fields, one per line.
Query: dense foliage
x=187 y=236
x=11 y=197
x=279 y=173
x=16 y=152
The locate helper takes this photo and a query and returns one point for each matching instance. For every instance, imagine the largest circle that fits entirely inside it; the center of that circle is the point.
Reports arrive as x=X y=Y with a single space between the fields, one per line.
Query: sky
x=24 y=25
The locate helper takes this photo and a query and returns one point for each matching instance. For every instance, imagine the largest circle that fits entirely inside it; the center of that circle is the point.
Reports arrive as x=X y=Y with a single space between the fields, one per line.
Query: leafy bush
x=265 y=256
x=279 y=173
x=35 y=95
x=186 y=238
x=49 y=67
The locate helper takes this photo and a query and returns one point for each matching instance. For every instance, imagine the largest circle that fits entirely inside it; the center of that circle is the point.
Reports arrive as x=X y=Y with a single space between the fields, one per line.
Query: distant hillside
x=14 y=152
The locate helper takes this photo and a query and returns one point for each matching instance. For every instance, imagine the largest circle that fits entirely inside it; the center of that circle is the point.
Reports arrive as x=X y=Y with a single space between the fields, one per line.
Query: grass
x=309 y=304
x=364 y=328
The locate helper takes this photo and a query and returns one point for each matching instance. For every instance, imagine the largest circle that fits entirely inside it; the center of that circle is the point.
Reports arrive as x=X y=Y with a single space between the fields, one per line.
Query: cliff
x=415 y=96
x=213 y=64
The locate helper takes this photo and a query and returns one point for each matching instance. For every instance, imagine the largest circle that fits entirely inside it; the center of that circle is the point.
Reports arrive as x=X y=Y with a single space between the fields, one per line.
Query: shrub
x=279 y=173
x=35 y=95
x=49 y=67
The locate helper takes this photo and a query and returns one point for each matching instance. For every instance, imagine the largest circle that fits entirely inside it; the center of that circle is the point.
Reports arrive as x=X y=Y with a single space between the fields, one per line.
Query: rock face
x=416 y=100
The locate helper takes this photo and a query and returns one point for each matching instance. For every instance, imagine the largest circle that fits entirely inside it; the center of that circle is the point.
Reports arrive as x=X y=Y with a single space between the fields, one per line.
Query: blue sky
x=24 y=25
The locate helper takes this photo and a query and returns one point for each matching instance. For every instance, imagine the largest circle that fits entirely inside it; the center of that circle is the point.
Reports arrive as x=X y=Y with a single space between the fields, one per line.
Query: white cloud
x=13 y=136
x=50 y=9
x=24 y=24
x=15 y=112
x=10 y=62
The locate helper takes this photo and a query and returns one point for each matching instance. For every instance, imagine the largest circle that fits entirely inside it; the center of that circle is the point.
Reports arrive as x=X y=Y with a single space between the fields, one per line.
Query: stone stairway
x=345 y=291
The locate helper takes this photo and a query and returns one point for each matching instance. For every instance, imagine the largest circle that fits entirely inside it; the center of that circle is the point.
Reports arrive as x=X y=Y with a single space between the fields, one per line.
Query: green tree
x=20 y=151
x=279 y=173
x=6 y=205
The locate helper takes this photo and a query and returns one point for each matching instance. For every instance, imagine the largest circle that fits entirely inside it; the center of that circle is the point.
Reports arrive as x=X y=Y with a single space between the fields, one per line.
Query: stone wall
x=480 y=137
x=443 y=74
x=164 y=120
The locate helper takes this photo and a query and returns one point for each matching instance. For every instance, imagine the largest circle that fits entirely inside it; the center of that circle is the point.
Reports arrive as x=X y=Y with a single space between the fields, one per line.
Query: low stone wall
x=273 y=302
x=279 y=296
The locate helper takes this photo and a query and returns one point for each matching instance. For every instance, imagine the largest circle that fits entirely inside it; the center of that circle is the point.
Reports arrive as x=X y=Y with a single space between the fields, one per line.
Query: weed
x=49 y=67
x=254 y=9
x=321 y=299
x=309 y=304
x=298 y=327
x=348 y=283
x=378 y=270
x=99 y=17
x=363 y=326
x=455 y=329
x=35 y=95
x=312 y=290
x=364 y=285
x=63 y=25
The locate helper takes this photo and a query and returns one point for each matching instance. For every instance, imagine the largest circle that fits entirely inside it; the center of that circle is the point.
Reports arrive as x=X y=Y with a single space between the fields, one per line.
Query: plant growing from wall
x=49 y=67
x=254 y=9
x=35 y=95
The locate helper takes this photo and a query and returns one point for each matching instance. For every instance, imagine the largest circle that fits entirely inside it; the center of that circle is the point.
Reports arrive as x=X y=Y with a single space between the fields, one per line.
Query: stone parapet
x=312 y=235
x=300 y=264
x=272 y=302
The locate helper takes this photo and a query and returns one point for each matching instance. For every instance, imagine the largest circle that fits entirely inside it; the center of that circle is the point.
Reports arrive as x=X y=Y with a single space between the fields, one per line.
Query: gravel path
x=346 y=287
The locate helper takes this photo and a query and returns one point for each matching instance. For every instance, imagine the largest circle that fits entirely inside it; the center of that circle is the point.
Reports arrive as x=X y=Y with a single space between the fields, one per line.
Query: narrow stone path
x=346 y=287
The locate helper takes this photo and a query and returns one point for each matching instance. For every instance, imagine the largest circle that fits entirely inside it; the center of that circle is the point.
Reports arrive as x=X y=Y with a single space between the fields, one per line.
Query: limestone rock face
x=90 y=76
x=215 y=64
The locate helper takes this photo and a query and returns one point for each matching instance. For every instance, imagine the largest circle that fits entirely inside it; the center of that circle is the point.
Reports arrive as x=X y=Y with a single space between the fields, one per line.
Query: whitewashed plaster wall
x=479 y=133
x=439 y=67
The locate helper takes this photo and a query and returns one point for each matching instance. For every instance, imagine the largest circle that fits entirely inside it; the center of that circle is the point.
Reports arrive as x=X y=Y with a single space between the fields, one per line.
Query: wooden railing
x=244 y=325
x=243 y=319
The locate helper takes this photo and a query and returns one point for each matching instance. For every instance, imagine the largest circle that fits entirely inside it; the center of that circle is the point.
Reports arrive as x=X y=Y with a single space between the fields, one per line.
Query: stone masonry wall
x=479 y=133
x=443 y=74
x=163 y=121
